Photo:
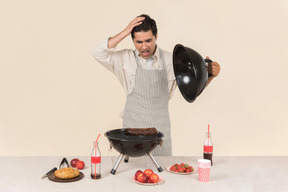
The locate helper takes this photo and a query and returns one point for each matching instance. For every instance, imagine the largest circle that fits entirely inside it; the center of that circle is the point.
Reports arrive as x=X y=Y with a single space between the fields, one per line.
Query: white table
x=18 y=174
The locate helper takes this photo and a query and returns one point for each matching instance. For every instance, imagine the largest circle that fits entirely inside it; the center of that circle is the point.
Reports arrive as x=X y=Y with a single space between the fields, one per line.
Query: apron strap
x=162 y=59
x=137 y=60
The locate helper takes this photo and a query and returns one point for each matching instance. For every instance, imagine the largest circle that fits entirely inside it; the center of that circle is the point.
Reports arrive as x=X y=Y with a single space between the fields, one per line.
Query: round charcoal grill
x=133 y=145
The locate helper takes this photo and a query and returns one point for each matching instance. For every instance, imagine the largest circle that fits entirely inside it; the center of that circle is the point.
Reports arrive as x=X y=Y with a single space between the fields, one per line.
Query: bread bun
x=66 y=173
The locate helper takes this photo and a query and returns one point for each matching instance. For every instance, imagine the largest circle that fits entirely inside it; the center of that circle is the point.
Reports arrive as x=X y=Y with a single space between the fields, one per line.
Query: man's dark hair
x=147 y=24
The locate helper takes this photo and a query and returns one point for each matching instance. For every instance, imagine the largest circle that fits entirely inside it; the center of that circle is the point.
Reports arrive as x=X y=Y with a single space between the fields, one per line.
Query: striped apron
x=147 y=105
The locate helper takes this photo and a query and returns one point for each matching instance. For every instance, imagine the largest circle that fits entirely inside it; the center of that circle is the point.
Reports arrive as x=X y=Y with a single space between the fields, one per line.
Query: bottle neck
x=95 y=144
x=95 y=151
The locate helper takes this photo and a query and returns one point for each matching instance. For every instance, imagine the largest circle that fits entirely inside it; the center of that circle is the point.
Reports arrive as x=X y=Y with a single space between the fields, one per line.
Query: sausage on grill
x=141 y=131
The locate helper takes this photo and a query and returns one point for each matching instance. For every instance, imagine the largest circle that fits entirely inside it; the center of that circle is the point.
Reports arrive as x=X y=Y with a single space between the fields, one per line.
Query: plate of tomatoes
x=161 y=180
x=147 y=177
x=181 y=169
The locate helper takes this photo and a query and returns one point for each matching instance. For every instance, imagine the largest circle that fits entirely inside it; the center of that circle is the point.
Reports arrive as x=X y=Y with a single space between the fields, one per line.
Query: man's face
x=145 y=43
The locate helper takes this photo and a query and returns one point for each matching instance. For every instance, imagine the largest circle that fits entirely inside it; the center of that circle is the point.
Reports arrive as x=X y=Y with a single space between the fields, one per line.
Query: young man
x=146 y=75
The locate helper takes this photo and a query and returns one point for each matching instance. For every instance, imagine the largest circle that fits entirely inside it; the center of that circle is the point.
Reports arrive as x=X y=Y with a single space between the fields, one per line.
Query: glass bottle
x=208 y=148
x=96 y=162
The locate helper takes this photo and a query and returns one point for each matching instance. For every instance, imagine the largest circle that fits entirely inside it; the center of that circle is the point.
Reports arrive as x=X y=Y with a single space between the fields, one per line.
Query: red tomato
x=80 y=164
x=138 y=173
x=148 y=172
x=154 y=178
x=142 y=178
x=73 y=162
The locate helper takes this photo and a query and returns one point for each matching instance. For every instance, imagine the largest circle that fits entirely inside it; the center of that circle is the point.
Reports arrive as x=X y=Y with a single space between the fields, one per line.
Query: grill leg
x=155 y=162
x=126 y=159
x=113 y=171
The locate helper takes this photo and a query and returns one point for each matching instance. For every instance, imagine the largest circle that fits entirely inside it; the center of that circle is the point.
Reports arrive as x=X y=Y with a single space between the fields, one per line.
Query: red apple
x=73 y=162
x=137 y=173
x=148 y=172
x=80 y=165
x=154 y=178
x=142 y=178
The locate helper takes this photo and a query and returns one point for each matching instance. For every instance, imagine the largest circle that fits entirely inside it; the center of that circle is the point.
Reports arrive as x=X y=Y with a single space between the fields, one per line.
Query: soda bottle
x=96 y=162
x=208 y=147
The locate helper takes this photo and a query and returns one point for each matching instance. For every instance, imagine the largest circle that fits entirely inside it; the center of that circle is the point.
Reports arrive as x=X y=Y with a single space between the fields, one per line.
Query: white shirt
x=123 y=65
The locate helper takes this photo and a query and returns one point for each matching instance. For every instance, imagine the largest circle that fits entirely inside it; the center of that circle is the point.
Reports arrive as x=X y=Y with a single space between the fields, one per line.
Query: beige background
x=55 y=98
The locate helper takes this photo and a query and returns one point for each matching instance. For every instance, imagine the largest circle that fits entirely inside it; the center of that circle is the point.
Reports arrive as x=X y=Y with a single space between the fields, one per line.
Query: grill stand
x=155 y=162
x=126 y=159
x=113 y=171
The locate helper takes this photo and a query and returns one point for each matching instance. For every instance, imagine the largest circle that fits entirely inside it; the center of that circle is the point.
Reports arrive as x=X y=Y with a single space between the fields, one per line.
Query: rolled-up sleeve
x=107 y=57
x=118 y=62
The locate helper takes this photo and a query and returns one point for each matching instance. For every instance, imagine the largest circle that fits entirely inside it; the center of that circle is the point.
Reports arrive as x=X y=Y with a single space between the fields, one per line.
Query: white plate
x=168 y=168
x=161 y=180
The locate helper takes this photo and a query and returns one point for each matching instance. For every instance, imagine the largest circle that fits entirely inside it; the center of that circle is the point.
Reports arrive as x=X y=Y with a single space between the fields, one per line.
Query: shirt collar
x=155 y=56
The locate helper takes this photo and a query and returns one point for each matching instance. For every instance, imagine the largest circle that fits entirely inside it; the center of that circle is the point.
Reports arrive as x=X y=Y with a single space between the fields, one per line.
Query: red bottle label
x=208 y=149
x=96 y=160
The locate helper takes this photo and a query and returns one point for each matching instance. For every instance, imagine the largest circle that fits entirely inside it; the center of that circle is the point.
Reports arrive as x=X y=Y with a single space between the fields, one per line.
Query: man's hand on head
x=135 y=22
